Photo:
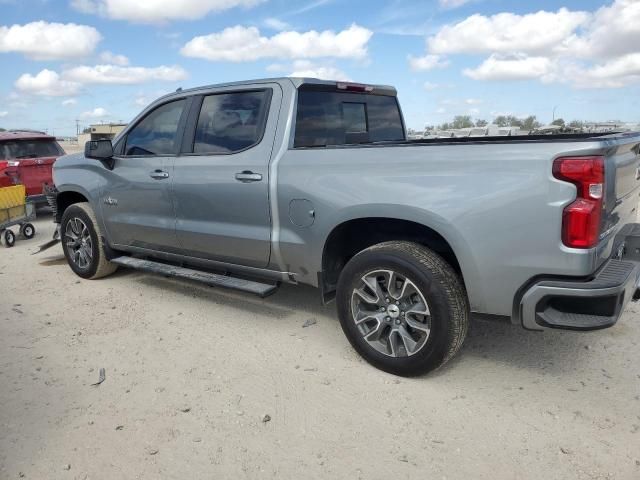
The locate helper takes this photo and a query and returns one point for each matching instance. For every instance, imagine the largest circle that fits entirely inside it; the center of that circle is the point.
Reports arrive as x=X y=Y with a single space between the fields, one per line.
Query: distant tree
x=481 y=123
x=445 y=126
x=429 y=128
x=559 y=122
x=462 y=121
x=576 y=124
x=513 y=121
x=86 y=130
x=530 y=123
x=501 y=121
x=2 y=130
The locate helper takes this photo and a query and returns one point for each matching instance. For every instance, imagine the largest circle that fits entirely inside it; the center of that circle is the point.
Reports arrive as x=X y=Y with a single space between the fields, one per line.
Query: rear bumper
x=586 y=305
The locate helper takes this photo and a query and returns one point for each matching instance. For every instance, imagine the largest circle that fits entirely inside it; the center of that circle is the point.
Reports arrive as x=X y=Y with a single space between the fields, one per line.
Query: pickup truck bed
x=314 y=182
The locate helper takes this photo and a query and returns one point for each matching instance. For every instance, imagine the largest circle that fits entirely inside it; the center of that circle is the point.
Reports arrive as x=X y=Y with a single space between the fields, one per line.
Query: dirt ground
x=192 y=372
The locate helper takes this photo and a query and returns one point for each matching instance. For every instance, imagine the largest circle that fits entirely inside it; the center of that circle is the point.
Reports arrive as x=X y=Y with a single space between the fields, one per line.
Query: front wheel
x=8 y=238
x=402 y=307
x=81 y=242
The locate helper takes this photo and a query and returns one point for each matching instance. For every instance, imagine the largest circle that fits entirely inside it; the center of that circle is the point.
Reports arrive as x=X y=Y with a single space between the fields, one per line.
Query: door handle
x=247 y=176
x=159 y=174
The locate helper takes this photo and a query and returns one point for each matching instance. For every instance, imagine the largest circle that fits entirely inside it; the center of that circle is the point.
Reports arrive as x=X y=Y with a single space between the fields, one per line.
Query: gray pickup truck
x=248 y=185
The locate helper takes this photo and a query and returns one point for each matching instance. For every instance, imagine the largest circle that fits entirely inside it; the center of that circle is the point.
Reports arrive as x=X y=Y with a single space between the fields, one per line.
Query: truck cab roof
x=296 y=81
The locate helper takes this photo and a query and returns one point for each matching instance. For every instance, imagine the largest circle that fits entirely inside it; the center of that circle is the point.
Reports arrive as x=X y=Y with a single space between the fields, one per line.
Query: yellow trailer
x=14 y=210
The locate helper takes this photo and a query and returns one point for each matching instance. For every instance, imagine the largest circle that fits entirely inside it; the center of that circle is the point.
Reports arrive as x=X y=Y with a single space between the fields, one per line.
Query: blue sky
x=103 y=60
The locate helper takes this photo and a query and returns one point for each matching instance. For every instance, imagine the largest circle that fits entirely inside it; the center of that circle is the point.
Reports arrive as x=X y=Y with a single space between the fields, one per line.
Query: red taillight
x=581 y=220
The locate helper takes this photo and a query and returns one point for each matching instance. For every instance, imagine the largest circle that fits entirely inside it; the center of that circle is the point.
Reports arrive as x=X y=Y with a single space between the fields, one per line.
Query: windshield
x=29 y=148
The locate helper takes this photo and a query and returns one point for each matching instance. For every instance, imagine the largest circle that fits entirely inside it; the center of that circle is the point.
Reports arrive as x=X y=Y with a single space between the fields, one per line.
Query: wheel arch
x=356 y=233
x=66 y=198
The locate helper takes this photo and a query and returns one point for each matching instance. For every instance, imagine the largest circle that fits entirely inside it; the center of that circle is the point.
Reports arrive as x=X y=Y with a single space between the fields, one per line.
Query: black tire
x=27 y=230
x=436 y=281
x=95 y=266
x=8 y=238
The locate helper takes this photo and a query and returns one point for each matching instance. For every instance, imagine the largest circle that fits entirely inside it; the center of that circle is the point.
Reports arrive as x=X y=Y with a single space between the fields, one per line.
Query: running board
x=212 y=279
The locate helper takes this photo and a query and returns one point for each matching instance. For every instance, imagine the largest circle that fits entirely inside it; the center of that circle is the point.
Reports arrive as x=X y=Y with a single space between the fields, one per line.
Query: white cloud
x=49 y=41
x=47 y=83
x=507 y=32
x=145 y=97
x=305 y=68
x=611 y=31
x=628 y=65
x=452 y=3
x=113 y=59
x=427 y=62
x=114 y=74
x=245 y=44
x=598 y=49
x=498 y=67
x=276 y=24
x=69 y=102
x=70 y=81
x=158 y=11
x=3 y=113
x=473 y=101
x=276 y=67
x=97 y=112
x=616 y=73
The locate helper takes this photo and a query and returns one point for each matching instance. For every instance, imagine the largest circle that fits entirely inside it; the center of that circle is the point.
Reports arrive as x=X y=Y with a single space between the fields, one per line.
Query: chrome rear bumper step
x=211 y=279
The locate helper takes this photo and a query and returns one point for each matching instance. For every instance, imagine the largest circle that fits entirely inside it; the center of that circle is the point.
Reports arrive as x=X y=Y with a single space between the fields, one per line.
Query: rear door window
x=29 y=148
x=231 y=122
x=157 y=132
x=327 y=118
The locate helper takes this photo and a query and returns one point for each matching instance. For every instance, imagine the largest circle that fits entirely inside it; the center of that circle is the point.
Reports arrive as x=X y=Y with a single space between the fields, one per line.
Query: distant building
x=101 y=131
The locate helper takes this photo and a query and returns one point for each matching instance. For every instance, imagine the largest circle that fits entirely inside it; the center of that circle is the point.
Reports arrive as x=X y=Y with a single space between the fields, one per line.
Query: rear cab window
x=329 y=117
x=29 y=148
x=231 y=122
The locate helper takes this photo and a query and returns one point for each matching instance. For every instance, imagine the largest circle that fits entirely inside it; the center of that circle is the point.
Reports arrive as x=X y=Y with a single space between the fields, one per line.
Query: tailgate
x=622 y=186
x=627 y=170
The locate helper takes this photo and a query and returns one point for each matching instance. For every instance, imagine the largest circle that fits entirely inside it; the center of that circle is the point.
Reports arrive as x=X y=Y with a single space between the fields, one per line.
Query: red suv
x=29 y=156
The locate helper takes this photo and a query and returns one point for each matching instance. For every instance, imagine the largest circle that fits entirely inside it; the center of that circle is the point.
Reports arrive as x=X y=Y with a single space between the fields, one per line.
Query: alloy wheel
x=391 y=313
x=79 y=244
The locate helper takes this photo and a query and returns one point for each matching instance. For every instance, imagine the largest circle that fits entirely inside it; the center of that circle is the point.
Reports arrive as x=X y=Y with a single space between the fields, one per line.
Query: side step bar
x=212 y=279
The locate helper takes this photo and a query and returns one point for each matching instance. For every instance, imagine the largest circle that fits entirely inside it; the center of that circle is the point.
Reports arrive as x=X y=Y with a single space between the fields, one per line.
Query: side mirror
x=98 y=149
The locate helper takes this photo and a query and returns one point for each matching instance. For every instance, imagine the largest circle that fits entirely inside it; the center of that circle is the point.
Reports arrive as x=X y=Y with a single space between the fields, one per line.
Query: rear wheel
x=402 y=307
x=81 y=242
x=27 y=230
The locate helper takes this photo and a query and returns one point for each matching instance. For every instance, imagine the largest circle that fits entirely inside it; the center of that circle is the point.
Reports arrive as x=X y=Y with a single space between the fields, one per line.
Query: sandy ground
x=192 y=371
x=70 y=147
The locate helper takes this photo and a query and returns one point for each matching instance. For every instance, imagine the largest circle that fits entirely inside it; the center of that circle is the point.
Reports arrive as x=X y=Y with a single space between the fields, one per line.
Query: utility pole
x=554 y=114
x=77 y=127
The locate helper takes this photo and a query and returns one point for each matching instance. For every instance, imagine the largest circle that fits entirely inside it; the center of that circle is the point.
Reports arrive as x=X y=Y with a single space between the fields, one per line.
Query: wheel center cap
x=393 y=311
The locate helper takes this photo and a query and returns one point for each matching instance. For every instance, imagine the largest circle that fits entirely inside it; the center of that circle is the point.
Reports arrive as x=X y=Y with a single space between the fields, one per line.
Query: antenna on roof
x=179 y=89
